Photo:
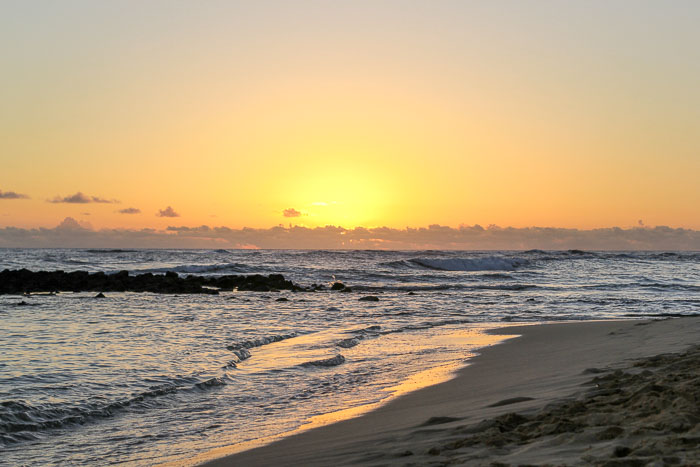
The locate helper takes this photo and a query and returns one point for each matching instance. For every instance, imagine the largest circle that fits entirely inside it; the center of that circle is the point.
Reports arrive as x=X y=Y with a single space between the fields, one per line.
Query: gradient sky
x=376 y=113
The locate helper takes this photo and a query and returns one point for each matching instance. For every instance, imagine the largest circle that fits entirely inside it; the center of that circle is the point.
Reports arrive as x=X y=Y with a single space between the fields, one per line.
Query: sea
x=143 y=379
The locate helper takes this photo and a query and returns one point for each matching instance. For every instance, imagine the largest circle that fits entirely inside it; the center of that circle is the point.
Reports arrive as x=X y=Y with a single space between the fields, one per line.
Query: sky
x=132 y=115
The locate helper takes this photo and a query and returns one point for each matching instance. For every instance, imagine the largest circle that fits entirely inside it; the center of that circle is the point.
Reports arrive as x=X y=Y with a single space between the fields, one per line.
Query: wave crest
x=220 y=268
x=19 y=419
x=260 y=341
x=490 y=263
x=326 y=362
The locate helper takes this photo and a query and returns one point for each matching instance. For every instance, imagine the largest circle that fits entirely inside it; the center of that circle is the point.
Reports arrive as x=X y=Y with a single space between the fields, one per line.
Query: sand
x=607 y=393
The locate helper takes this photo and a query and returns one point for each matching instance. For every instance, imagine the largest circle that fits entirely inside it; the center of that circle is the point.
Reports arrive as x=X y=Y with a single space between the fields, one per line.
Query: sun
x=347 y=196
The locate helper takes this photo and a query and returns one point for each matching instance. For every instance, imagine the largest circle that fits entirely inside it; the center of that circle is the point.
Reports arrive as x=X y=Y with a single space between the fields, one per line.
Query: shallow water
x=144 y=378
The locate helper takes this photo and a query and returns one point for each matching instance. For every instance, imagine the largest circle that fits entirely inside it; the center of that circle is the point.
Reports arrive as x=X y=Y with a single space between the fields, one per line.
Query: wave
x=660 y=315
x=326 y=362
x=348 y=343
x=375 y=331
x=644 y=285
x=221 y=268
x=18 y=419
x=260 y=341
x=437 y=288
x=359 y=335
x=241 y=355
x=553 y=255
x=490 y=263
x=109 y=251
x=427 y=325
x=241 y=349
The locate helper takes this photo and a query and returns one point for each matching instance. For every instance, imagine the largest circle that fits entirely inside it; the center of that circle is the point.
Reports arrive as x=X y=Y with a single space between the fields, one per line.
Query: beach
x=595 y=393
x=179 y=357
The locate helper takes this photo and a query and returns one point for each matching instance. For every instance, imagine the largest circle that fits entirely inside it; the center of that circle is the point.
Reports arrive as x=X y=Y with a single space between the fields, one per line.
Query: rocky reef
x=23 y=281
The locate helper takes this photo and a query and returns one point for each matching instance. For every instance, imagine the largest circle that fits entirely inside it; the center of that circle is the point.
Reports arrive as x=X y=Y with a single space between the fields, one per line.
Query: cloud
x=71 y=233
x=70 y=224
x=129 y=211
x=167 y=212
x=291 y=212
x=12 y=195
x=81 y=198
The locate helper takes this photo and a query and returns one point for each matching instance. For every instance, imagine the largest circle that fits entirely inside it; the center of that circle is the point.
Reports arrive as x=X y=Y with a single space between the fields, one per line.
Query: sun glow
x=349 y=197
x=362 y=115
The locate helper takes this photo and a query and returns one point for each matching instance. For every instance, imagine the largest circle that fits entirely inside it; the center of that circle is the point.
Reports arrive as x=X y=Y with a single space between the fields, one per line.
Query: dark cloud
x=129 y=211
x=167 y=212
x=81 y=198
x=71 y=233
x=291 y=212
x=12 y=195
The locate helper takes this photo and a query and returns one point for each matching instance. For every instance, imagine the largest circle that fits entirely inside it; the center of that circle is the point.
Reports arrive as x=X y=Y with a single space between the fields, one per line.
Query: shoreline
x=421 y=380
x=546 y=364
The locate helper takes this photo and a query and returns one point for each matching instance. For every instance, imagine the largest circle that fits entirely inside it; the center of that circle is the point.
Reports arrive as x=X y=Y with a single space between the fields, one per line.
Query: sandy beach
x=594 y=393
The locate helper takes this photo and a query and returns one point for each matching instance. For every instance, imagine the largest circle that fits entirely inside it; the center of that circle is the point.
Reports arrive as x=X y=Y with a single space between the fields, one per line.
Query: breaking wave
x=359 y=335
x=326 y=362
x=490 y=263
x=260 y=341
x=241 y=349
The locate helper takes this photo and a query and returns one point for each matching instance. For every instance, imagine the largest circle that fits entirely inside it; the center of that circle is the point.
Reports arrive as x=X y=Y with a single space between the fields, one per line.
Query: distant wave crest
x=221 y=268
x=490 y=263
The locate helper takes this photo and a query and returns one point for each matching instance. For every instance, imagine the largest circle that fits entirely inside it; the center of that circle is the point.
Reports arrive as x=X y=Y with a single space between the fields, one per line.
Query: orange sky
x=365 y=113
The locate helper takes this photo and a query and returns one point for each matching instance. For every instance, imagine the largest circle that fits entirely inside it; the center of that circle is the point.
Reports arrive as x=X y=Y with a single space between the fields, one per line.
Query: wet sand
x=594 y=393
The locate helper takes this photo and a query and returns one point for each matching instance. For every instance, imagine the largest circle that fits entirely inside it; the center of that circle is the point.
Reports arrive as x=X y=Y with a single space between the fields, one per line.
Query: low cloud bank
x=70 y=233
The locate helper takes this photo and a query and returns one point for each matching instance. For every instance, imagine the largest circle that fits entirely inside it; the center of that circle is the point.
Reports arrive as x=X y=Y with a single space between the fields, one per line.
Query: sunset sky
x=148 y=114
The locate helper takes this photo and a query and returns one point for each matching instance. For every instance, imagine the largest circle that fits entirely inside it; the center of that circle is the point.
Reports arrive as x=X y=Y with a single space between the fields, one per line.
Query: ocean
x=142 y=378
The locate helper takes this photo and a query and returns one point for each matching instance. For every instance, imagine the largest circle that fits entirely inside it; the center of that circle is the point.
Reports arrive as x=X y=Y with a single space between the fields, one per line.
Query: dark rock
x=100 y=295
x=23 y=281
x=282 y=299
x=338 y=286
x=621 y=451
x=369 y=298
